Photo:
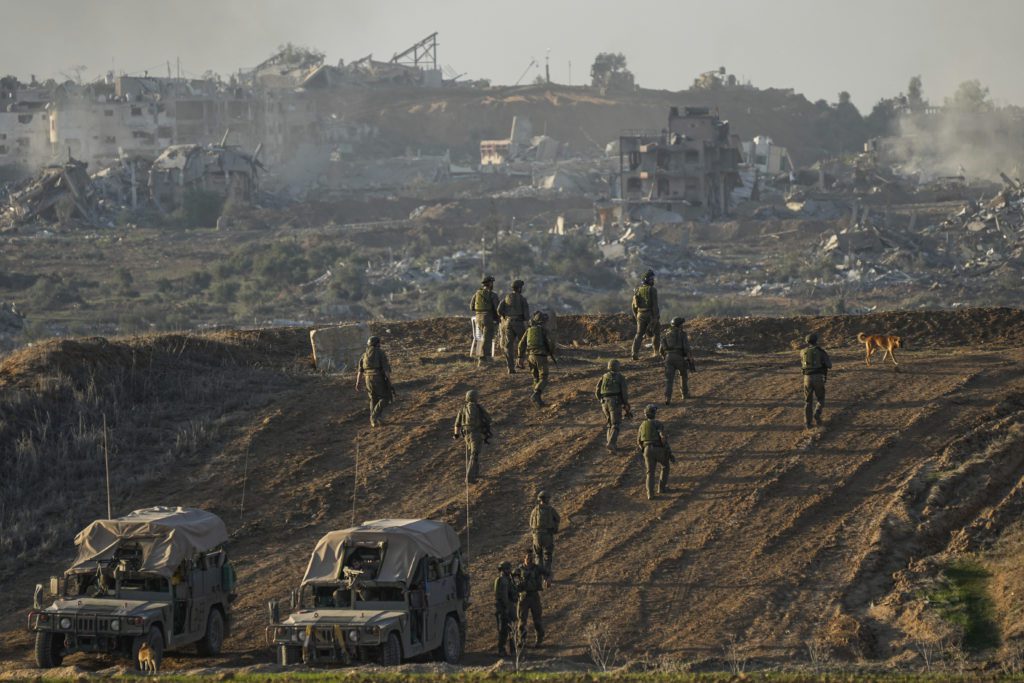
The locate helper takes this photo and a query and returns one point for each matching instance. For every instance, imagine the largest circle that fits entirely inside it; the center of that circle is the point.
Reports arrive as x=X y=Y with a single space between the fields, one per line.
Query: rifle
x=627 y=411
x=486 y=431
x=691 y=365
x=391 y=388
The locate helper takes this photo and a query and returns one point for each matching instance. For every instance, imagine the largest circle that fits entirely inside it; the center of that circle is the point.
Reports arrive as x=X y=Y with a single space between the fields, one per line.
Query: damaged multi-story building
x=690 y=168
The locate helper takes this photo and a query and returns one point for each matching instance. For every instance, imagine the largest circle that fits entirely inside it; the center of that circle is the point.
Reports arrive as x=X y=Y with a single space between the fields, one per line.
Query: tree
x=606 y=63
x=914 y=94
x=970 y=96
x=844 y=97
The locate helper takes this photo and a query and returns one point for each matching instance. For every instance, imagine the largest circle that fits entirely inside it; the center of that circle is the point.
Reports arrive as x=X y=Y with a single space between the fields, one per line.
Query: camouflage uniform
x=815 y=364
x=375 y=371
x=544 y=523
x=675 y=347
x=484 y=305
x=474 y=424
x=514 y=311
x=613 y=394
x=651 y=440
x=505 y=596
x=647 y=314
x=540 y=348
x=530 y=579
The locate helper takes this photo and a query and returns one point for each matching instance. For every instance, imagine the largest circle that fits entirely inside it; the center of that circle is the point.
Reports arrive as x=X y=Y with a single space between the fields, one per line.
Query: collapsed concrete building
x=226 y=171
x=689 y=168
x=57 y=194
x=520 y=145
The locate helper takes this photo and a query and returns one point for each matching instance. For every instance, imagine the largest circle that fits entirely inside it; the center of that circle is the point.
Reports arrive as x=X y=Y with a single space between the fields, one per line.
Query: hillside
x=773 y=537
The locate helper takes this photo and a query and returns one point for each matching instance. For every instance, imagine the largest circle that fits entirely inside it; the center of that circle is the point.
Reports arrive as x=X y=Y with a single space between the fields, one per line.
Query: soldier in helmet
x=473 y=424
x=530 y=579
x=484 y=306
x=614 y=397
x=375 y=373
x=539 y=346
x=544 y=522
x=815 y=363
x=647 y=314
x=675 y=349
x=653 y=443
x=505 y=596
x=515 y=312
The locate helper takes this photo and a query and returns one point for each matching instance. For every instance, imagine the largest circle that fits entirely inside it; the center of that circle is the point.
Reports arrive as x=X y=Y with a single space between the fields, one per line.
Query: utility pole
x=547 y=66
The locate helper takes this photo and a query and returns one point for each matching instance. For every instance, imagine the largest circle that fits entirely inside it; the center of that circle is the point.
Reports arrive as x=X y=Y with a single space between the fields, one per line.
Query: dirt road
x=769 y=535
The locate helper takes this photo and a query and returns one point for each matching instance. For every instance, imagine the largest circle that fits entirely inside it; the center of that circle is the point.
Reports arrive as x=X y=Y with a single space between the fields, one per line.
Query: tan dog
x=874 y=342
x=147 y=659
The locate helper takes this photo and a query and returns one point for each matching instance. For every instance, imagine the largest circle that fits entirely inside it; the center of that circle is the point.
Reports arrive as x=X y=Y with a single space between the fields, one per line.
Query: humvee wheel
x=391 y=651
x=451 y=643
x=49 y=650
x=289 y=654
x=212 y=640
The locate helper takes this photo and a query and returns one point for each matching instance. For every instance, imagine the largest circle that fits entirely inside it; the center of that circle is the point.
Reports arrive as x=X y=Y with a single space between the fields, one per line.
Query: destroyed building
x=520 y=145
x=689 y=168
x=57 y=194
x=211 y=168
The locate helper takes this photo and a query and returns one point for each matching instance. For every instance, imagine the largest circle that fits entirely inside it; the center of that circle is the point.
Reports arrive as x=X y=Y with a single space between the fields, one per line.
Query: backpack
x=643 y=296
x=649 y=433
x=810 y=360
x=610 y=384
x=482 y=301
x=536 y=339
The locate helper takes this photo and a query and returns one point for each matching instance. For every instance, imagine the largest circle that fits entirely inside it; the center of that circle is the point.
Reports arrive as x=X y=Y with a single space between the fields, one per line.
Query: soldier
x=514 y=311
x=647 y=314
x=505 y=595
x=473 y=423
x=815 y=363
x=675 y=349
x=530 y=578
x=614 y=397
x=544 y=522
x=652 y=442
x=540 y=348
x=375 y=373
x=484 y=305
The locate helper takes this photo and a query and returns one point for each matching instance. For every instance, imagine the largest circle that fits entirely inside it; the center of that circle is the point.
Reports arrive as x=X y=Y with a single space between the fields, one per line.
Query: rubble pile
x=57 y=194
x=986 y=236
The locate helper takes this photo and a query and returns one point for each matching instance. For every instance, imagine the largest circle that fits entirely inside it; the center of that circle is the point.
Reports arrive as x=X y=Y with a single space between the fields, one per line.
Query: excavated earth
x=771 y=536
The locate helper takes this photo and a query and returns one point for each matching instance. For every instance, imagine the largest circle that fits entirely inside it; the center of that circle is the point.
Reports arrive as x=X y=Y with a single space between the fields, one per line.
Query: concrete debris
x=520 y=146
x=58 y=194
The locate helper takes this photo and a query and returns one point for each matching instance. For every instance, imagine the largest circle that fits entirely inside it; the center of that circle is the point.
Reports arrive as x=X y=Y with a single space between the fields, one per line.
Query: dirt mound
x=771 y=537
x=972 y=328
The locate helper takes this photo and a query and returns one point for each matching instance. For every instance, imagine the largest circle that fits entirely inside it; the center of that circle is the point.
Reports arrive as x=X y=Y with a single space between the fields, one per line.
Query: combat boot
x=817 y=419
x=540 y=638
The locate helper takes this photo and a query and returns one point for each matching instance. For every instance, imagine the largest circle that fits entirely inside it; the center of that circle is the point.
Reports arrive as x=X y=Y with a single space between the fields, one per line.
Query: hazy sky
x=818 y=47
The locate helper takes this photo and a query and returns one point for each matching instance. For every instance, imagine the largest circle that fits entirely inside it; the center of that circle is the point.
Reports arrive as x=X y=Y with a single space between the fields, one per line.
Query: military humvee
x=159 y=575
x=385 y=591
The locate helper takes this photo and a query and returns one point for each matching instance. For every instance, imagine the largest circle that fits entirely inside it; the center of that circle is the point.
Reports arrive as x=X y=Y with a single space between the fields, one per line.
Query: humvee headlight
x=115 y=625
x=353 y=635
x=65 y=623
x=135 y=621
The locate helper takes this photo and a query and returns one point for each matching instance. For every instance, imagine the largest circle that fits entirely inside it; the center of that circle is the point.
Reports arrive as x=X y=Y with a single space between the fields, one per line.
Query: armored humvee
x=159 y=575
x=385 y=591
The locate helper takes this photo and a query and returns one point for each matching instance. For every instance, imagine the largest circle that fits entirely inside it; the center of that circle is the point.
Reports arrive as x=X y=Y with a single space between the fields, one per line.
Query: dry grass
x=163 y=398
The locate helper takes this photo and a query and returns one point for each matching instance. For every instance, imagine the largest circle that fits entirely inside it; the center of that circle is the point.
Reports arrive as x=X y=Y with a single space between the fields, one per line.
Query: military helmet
x=678 y=321
x=539 y=317
x=651 y=410
x=517 y=285
x=613 y=365
x=488 y=279
x=543 y=496
x=648 y=276
x=505 y=566
x=811 y=339
x=373 y=341
x=472 y=395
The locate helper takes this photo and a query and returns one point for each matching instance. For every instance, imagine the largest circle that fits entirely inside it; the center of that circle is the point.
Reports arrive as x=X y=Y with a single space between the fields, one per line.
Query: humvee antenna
x=106 y=466
x=355 y=483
